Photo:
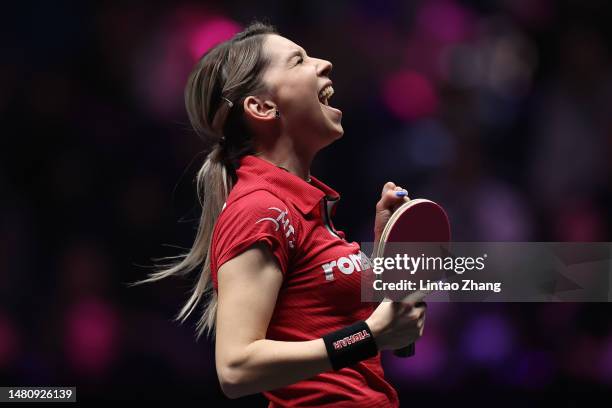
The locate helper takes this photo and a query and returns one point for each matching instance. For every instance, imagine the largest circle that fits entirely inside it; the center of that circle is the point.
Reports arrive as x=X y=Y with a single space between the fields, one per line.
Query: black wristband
x=350 y=345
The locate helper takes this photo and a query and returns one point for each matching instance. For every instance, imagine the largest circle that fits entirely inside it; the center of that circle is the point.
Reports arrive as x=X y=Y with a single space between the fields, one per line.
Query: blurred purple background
x=499 y=110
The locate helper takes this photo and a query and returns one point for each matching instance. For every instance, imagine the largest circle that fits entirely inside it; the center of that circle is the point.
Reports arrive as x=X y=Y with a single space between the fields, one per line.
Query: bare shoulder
x=256 y=267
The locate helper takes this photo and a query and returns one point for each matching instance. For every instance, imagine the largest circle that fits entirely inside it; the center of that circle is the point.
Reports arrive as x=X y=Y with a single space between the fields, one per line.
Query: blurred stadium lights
x=409 y=95
x=210 y=33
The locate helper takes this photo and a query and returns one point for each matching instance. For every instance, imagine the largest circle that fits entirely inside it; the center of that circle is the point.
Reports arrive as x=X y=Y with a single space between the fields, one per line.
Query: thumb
x=392 y=197
x=389 y=185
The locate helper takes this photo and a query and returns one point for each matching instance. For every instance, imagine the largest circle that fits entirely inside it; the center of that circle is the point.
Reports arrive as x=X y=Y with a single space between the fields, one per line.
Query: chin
x=339 y=134
x=333 y=134
x=334 y=128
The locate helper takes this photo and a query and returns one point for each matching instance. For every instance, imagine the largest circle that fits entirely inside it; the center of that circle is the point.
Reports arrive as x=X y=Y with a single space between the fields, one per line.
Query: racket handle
x=410 y=349
x=405 y=352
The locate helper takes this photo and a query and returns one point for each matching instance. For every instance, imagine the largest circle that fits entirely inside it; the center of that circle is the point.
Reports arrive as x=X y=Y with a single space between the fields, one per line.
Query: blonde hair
x=230 y=71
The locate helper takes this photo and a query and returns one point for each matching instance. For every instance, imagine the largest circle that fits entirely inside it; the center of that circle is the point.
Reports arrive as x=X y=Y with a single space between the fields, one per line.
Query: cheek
x=294 y=93
x=297 y=92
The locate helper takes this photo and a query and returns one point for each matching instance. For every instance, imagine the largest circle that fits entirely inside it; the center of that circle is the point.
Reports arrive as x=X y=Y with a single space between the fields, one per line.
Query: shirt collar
x=284 y=184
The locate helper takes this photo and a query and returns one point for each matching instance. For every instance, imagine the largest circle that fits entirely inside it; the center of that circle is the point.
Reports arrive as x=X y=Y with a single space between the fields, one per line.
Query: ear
x=259 y=108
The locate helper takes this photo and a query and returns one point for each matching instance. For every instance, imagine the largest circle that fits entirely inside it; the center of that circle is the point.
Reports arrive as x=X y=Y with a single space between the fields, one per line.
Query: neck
x=285 y=154
x=292 y=163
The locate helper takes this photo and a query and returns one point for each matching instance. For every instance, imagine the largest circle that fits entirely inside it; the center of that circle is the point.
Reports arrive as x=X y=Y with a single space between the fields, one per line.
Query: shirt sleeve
x=257 y=217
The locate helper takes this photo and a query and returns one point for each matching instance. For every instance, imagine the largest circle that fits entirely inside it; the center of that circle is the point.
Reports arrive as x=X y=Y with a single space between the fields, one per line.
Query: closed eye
x=296 y=53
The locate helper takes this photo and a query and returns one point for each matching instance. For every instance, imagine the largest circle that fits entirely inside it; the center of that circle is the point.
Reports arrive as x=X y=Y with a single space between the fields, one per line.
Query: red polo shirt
x=321 y=277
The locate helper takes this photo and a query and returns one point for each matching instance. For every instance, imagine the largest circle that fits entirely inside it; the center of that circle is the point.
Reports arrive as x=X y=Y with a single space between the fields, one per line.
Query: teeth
x=325 y=94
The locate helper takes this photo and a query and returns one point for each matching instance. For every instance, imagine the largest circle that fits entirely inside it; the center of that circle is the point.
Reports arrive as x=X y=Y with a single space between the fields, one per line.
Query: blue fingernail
x=400 y=193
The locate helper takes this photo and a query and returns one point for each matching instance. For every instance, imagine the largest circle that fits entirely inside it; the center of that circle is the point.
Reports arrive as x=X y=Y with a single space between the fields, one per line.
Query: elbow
x=232 y=381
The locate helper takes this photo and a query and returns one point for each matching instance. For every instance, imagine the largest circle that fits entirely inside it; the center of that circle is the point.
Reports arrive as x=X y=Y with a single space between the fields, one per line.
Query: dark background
x=498 y=110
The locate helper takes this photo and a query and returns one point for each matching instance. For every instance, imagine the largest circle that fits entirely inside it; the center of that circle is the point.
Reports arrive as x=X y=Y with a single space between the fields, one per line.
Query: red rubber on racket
x=418 y=220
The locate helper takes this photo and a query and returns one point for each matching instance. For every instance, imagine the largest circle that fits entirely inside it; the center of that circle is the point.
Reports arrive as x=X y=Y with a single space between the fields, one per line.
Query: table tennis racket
x=417 y=220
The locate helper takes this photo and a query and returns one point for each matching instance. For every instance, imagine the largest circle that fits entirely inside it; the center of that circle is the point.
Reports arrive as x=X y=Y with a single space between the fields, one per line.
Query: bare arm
x=246 y=361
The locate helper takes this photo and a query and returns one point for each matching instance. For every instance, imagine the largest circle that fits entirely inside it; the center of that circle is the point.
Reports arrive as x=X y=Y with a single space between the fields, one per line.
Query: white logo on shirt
x=347 y=265
x=281 y=219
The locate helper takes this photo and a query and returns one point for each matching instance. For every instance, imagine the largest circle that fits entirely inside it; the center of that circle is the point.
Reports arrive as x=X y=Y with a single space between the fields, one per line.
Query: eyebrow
x=295 y=53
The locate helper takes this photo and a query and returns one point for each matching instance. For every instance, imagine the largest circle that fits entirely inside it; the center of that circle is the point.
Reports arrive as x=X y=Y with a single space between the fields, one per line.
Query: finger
x=402 y=193
x=416 y=313
x=392 y=199
x=422 y=328
x=389 y=185
x=416 y=297
x=420 y=308
x=401 y=308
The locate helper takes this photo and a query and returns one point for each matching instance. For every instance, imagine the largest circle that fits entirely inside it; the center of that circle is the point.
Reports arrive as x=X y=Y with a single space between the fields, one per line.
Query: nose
x=324 y=68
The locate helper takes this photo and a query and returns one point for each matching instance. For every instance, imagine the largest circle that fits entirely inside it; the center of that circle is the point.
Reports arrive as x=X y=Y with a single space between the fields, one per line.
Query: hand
x=388 y=203
x=397 y=324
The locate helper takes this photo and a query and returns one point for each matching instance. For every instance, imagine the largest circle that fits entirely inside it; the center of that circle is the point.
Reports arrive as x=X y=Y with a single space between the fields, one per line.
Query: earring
x=277 y=114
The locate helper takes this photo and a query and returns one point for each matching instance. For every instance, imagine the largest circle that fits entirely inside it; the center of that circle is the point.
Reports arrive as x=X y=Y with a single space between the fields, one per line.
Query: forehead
x=278 y=48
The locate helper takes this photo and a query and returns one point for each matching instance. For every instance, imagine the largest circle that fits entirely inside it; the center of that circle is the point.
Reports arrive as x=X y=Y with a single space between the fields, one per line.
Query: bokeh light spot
x=91 y=336
x=444 y=20
x=8 y=341
x=488 y=339
x=211 y=33
x=409 y=95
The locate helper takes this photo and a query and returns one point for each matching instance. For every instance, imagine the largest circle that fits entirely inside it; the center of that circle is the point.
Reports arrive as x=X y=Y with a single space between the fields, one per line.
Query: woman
x=280 y=285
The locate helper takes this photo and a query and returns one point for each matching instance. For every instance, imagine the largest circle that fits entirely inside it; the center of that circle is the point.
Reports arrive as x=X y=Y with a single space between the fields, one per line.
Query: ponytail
x=231 y=70
x=213 y=186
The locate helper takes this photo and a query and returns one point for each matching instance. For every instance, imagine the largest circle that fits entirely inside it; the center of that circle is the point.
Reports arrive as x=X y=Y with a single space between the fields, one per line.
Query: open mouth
x=325 y=95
